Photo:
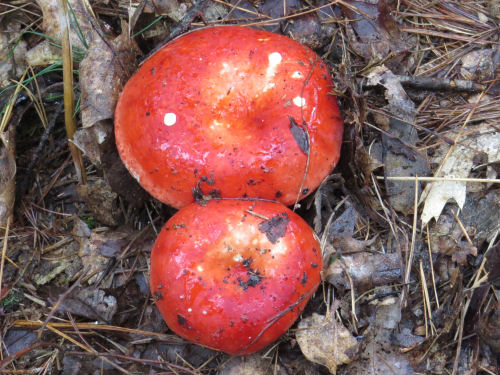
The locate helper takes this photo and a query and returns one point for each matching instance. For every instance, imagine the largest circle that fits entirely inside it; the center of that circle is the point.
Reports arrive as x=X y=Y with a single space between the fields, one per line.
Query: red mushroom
x=231 y=112
x=234 y=275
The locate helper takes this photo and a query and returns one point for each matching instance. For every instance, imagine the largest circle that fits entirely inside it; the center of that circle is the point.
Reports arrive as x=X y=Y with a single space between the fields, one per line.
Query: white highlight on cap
x=199 y=268
x=299 y=102
x=170 y=119
x=274 y=60
x=190 y=309
x=297 y=75
x=225 y=68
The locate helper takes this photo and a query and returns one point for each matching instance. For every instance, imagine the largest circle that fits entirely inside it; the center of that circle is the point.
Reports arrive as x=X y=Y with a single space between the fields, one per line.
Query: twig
x=431 y=83
x=98 y=327
x=56 y=305
x=451 y=179
x=4 y=249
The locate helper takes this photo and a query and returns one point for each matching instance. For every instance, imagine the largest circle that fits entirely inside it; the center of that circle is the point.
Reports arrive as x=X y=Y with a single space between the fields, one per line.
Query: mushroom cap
x=235 y=274
x=223 y=111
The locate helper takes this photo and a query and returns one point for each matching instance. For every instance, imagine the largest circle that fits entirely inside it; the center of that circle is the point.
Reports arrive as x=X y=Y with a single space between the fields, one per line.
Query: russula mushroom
x=233 y=275
x=232 y=112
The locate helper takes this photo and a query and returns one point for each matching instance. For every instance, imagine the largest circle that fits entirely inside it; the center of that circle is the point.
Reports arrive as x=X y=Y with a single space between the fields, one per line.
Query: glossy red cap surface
x=234 y=275
x=222 y=111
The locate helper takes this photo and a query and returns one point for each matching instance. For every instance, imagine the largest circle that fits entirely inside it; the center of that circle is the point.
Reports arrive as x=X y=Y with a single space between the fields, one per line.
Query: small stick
x=440 y=84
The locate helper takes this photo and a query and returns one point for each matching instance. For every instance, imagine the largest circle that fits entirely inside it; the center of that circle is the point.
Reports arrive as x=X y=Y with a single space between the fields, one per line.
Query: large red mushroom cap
x=232 y=112
x=234 y=275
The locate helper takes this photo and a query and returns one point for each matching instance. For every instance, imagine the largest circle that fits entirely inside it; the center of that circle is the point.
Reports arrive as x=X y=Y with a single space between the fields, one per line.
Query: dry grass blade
x=4 y=250
x=69 y=95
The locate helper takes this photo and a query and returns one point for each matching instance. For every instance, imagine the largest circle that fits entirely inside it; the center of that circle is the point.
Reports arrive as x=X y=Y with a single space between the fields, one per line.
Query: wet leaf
x=380 y=355
x=16 y=340
x=81 y=31
x=253 y=364
x=101 y=201
x=373 y=33
x=366 y=270
x=103 y=72
x=96 y=248
x=89 y=303
x=11 y=66
x=400 y=156
x=326 y=341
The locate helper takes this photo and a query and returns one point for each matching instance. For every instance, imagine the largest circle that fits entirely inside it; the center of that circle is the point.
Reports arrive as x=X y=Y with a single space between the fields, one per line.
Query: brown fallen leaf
x=366 y=270
x=253 y=364
x=103 y=73
x=96 y=248
x=373 y=33
x=326 y=341
x=401 y=158
x=45 y=52
x=89 y=303
x=448 y=238
x=11 y=66
x=380 y=355
x=101 y=201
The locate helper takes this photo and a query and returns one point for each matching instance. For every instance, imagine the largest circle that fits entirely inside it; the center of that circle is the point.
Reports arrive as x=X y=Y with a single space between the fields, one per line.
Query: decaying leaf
x=11 y=66
x=326 y=341
x=103 y=72
x=81 y=31
x=101 y=201
x=97 y=248
x=458 y=164
x=400 y=156
x=366 y=270
x=478 y=65
x=253 y=364
x=448 y=238
x=380 y=355
x=89 y=303
x=339 y=234
x=372 y=32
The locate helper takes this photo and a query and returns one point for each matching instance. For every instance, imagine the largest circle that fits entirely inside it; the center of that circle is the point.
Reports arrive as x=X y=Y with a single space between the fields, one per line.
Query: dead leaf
x=476 y=139
x=478 y=65
x=172 y=8
x=11 y=66
x=380 y=355
x=89 y=303
x=366 y=270
x=97 y=248
x=372 y=31
x=103 y=73
x=326 y=341
x=253 y=364
x=101 y=201
x=400 y=156
x=44 y=53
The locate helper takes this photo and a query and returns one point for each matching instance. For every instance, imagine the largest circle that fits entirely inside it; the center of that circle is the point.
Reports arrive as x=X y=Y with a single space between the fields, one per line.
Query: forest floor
x=409 y=219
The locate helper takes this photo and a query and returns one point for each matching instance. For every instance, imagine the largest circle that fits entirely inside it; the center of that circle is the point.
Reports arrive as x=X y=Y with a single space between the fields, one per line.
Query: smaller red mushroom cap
x=231 y=112
x=235 y=274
